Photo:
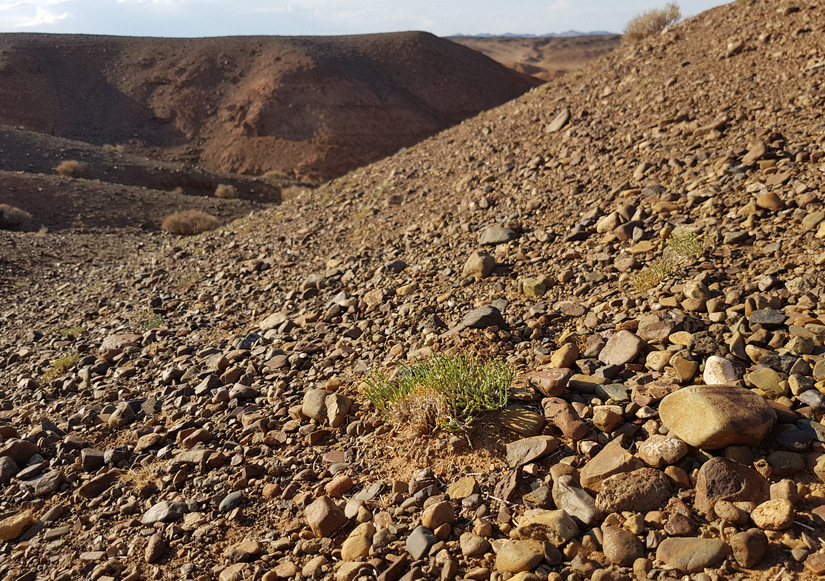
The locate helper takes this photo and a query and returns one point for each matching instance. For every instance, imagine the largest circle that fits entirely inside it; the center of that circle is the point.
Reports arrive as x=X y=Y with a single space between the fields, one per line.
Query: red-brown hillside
x=316 y=106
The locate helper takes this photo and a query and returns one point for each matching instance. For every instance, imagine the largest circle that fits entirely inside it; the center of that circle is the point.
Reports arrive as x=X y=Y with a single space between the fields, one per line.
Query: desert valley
x=244 y=280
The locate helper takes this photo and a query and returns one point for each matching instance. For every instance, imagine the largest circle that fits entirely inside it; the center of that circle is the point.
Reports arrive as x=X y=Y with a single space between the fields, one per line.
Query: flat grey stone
x=419 y=542
x=493 y=235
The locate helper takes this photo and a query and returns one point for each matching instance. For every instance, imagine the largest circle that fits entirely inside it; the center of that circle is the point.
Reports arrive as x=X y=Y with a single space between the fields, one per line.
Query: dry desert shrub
x=71 y=168
x=189 y=222
x=227 y=192
x=13 y=218
x=651 y=22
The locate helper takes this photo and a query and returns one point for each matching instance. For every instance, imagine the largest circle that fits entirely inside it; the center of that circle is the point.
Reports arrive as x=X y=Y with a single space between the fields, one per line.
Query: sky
x=193 y=18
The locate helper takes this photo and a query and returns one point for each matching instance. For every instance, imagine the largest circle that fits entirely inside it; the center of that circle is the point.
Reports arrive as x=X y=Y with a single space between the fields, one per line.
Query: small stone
x=767 y=318
x=484 y=317
x=526 y=450
x=575 y=501
x=770 y=381
x=324 y=517
x=339 y=485
x=462 y=488
x=612 y=459
x=621 y=348
x=493 y=235
x=607 y=417
x=419 y=542
x=473 y=545
x=164 y=512
x=659 y=450
x=517 y=556
x=565 y=356
x=533 y=287
x=641 y=490
x=231 y=500
x=155 y=548
x=122 y=416
x=815 y=563
x=559 y=121
x=691 y=554
x=620 y=546
x=314 y=404
x=722 y=479
x=715 y=416
x=770 y=201
x=540 y=497
x=438 y=514
x=551 y=526
x=550 y=382
x=479 y=265
x=719 y=371
x=8 y=469
x=337 y=407
x=774 y=515
x=233 y=572
x=357 y=544
x=749 y=547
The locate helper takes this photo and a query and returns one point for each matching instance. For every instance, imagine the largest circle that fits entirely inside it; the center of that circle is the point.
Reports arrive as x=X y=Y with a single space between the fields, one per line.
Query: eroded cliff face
x=311 y=106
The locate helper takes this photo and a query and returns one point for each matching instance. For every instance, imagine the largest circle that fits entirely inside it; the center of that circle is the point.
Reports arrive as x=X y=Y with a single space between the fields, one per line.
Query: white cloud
x=27 y=14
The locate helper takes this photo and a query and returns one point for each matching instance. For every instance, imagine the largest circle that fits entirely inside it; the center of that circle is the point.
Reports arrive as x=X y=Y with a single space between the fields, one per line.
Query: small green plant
x=444 y=392
x=651 y=22
x=652 y=275
x=70 y=331
x=679 y=249
x=686 y=245
x=146 y=320
x=61 y=366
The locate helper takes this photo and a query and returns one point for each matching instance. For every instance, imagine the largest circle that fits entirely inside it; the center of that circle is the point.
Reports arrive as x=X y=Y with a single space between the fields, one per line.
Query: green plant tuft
x=146 y=320
x=652 y=275
x=61 y=366
x=687 y=245
x=443 y=392
x=70 y=331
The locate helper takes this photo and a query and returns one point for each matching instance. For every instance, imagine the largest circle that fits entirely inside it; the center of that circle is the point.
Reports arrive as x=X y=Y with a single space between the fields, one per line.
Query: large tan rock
x=324 y=517
x=691 y=554
x=358 y=543
x=717 y=416
x=14 y=526
x=550 y=526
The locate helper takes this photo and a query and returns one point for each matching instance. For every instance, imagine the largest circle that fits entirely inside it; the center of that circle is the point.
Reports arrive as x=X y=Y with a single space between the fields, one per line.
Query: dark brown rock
x=723 y=479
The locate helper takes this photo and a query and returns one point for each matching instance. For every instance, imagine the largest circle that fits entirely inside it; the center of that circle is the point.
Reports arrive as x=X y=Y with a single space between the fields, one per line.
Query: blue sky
x=190 y=18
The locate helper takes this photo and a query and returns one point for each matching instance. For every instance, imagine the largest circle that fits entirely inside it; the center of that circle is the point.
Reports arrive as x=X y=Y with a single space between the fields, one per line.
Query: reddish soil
x=315 y=107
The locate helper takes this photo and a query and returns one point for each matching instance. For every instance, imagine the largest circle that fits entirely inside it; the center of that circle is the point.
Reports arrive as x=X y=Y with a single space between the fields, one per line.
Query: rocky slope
x=314 y=107
x=189 y=409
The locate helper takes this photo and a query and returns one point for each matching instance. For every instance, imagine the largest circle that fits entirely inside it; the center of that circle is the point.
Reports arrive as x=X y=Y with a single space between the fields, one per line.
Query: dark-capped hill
x=313 y=106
